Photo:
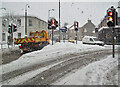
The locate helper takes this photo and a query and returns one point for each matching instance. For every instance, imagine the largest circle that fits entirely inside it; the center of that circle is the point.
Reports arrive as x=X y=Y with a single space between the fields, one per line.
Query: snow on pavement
x=47 y=53
x=93 y=74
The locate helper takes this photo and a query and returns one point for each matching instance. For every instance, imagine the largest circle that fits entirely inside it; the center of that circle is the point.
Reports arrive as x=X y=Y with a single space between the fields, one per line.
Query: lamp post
x=49 y=12
x=27 y=6
x=59 y=20
x=3 y=8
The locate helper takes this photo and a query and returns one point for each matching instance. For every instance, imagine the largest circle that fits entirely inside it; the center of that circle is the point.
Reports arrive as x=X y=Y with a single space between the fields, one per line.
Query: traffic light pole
x=52 y=36
x=12 y=34
x=76 y=37
x=113 y=42
x=112 y=21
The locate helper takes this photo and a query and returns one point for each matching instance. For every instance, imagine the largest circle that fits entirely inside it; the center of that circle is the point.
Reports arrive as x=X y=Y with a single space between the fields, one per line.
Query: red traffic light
x=76 y=25
x=53 y=22
x=110 y=13
x=111 y=17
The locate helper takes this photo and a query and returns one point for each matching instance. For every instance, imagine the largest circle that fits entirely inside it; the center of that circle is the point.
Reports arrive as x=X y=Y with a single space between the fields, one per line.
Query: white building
x=119 y=9
x=33 y=24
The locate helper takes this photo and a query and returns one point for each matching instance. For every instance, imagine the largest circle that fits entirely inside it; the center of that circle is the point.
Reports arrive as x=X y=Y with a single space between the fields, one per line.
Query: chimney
x=89 y=21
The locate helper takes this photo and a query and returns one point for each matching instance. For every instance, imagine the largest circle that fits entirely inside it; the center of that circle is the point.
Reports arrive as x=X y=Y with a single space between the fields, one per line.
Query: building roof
x=117 y=27
x=20 y=16
x=89 y=21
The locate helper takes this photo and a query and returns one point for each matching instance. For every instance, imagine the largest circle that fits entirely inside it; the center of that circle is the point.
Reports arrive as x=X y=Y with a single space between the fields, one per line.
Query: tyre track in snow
x=18 y=72
x=47 y=77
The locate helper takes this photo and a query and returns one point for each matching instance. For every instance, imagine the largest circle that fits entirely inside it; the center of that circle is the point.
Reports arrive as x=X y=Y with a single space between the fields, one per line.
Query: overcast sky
x=70 y=10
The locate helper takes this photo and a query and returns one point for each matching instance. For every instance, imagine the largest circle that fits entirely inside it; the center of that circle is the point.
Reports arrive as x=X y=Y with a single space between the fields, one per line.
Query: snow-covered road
x=34 y=63
x=48 y=53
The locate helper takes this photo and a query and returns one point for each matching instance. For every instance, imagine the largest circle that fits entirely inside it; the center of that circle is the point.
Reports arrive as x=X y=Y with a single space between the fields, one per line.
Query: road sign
x=63 y=29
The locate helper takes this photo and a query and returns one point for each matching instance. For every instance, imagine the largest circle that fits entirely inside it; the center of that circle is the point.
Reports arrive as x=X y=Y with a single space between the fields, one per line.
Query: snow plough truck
x=35 y=41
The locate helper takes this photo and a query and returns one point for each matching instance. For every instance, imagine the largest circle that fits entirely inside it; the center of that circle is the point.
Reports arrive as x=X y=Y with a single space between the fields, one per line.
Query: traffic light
x=76 y=26
x=9 y=29
x=52 y=23
x=14 y=28
x=111 y=17
x=56 y=23
x=49 y=24
x=116 y=18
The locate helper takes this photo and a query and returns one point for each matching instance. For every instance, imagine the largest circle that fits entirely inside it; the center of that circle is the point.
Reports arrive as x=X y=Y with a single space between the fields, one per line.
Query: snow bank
x=3 y=46
x=47 y=53
x=93 y=74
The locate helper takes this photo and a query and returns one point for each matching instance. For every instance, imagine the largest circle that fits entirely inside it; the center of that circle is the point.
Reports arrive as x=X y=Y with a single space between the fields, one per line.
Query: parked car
x=70 y=40
x=92 y=40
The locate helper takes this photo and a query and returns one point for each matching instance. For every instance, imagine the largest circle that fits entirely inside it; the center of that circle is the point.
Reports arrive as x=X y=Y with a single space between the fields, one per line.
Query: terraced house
x=33 y=24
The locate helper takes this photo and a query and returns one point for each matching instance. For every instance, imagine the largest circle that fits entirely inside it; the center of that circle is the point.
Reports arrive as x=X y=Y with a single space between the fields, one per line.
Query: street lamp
x=49 y=12
x=3 y=8
x=27 y=6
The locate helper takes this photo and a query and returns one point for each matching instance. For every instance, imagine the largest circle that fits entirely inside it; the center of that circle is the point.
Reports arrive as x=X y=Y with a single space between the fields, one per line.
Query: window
x=30 y=22
x=95 y=39
x=4 y=23
x=85 y=30
x=91 y=39
x=19 y=35
x=19 y=22
x=42 y=25
x=3 y=37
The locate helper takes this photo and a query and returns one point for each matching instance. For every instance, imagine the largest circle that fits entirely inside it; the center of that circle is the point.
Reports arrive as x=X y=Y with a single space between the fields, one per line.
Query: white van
x=92 y=40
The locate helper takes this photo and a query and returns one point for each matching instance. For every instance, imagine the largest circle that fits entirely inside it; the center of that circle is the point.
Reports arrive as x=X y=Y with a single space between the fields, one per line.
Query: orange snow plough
x=35 y=41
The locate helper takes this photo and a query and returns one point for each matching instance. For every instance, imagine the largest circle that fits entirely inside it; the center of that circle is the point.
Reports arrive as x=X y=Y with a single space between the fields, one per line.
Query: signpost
x=64 y=31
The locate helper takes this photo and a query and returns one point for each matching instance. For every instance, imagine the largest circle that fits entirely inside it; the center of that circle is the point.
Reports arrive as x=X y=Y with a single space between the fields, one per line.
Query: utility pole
x=27 y=6
x=59 y=20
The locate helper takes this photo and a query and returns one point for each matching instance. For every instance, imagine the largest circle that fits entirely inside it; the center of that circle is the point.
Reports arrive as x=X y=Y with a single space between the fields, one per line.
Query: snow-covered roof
x=107 y=28
x=102 y=28
x=90 y=36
